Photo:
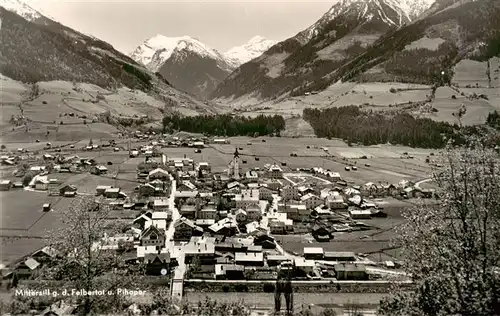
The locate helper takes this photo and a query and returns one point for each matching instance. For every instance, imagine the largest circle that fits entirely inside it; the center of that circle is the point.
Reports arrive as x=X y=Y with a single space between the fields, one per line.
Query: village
x=187 y=221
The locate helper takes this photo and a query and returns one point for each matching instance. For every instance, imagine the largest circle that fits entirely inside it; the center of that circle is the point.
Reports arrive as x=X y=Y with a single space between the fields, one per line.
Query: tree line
x=225 y=125
x=370 y=128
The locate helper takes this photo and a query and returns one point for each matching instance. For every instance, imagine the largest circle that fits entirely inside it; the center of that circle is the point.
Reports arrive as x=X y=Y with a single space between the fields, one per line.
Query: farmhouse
x=203 y=248
x=99 y=170
x=360 y=214
x=158 y=174
x=274 y=260
x=112 y=193
x=26 y=268
x=44 y=255
x=249 y=259
x=100 y=189
x=153 y=236
x=207 y=213
x=345 y=271
x=204 y=166
x=305 y=265
x=221 y=141
x=160 y=204
x=199 y=144
x=335 y=201
x=188 y=211
x=185 y=229
x=42 y=184
x=156 y=263
x=275 y=172
x=229 y=272
x=313 y=253
x=68 y=190
x=146 y=190
x=5 y=185
x=339 y=256
x=160 y=219
x=311 y=201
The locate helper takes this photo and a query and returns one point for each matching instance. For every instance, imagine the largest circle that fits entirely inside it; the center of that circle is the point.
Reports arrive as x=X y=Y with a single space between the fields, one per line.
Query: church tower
x=233 y=169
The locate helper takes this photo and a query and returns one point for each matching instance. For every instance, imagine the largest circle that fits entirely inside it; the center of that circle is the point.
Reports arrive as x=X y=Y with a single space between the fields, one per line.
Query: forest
x=225 y=125
x=370 y=128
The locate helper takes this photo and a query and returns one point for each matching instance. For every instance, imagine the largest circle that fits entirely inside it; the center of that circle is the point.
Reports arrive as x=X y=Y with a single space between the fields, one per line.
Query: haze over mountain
x=191 y=65
x=370 y=40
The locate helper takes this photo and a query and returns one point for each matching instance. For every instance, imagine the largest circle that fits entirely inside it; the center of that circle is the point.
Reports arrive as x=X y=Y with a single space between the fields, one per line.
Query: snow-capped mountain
x=254 y=48
x=21 y=8
x=184 y=61
x=407 y=10
x=155 y=51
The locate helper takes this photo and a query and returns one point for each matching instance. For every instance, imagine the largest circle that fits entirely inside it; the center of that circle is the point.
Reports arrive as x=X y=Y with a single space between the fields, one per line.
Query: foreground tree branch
x=452 y=250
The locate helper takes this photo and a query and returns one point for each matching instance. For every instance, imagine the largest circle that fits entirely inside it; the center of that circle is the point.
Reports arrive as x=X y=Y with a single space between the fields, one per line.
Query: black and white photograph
x=250 y=158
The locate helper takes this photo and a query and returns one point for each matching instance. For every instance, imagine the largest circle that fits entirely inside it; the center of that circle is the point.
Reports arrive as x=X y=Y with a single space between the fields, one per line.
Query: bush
x=392 y=90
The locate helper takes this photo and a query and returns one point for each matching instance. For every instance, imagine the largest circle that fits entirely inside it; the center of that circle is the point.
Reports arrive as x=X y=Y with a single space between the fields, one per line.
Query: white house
x=311 y=201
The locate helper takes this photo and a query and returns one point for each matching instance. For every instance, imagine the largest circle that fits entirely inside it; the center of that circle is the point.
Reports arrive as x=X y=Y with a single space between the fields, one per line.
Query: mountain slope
x=255 y=47
x=186 y=62
x=341 y=34
x=21 y=8
x=44 y=50
x=407 y=9
x=453 y=31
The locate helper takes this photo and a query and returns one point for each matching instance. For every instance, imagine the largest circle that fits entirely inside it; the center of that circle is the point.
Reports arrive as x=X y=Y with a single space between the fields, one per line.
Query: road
x=418 y=183
x=175 y=251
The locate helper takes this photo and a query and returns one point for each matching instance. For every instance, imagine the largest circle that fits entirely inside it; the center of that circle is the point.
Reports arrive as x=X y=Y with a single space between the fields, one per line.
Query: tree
x=27 y=178
x=84 y=264
x=451 y=250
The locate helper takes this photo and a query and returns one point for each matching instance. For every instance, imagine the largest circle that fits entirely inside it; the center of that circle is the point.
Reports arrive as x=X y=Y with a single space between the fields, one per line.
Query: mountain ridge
x=42 y=50
x=291 y=63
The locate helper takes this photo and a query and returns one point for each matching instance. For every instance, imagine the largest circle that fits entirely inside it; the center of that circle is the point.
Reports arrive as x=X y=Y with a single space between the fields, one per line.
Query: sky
x=219 y=24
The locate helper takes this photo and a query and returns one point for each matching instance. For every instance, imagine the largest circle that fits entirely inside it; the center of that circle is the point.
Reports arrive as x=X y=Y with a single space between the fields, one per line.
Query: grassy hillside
x=45 y=50
x=470 y=31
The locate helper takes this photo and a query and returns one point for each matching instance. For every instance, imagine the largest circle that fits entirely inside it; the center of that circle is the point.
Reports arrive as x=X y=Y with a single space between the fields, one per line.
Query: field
x=43 y=107
x=377 y=242
x=469 y=72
